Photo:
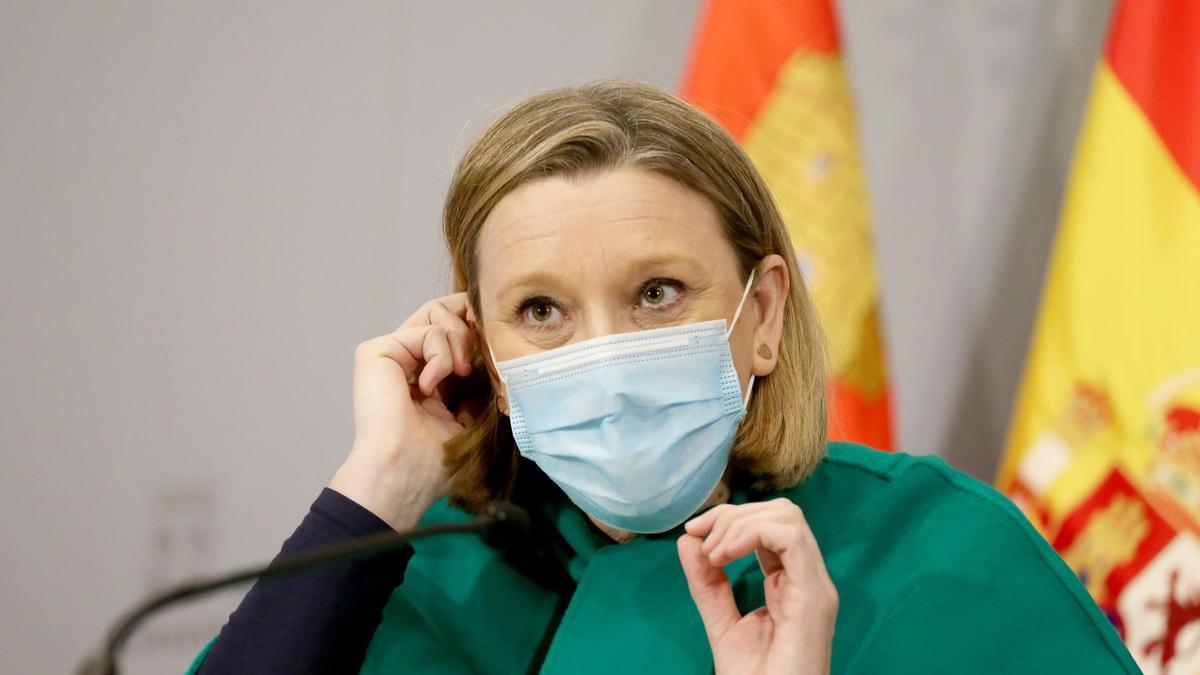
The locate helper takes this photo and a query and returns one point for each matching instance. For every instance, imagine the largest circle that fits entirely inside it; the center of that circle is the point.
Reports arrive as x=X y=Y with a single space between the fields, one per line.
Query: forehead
x=599 y=225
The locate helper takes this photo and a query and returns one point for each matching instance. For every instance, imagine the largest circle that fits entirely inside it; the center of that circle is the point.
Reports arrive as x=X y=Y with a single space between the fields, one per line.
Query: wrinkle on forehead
x=583 y=228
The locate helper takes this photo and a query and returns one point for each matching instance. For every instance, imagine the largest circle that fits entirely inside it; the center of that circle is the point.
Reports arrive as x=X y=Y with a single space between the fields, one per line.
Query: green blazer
x=936 y=572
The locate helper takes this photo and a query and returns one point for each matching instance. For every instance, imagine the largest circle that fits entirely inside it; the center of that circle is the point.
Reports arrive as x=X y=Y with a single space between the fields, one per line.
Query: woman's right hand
x=395 y=467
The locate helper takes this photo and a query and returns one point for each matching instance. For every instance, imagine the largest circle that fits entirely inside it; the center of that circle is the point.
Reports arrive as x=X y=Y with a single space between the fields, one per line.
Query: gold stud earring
x=764 y=351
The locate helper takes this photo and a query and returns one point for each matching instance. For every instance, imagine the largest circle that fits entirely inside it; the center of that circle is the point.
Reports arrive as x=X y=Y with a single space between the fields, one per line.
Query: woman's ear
x=485 y=355
x=768 y=297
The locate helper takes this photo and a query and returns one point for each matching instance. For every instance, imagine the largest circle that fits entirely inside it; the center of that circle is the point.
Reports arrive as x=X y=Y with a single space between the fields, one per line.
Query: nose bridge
x=602 y=316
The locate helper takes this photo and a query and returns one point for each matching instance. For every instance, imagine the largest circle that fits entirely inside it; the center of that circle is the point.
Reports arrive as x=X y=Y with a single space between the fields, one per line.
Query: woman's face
x=562 y=261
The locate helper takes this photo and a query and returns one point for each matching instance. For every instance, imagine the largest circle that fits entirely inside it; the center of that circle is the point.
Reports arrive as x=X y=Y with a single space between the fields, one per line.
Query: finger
x=787 y=542
x=710 y=590
x=721 y=523
x=439 y=362
x=727 y=517
x=422 y=352
x=403 y=347
x=804 y=588
x=446 y=312
x=775 y=537
x=736 y=521
x=768 y=561
x=456 y=303
x=702 y=524
x=461 y=337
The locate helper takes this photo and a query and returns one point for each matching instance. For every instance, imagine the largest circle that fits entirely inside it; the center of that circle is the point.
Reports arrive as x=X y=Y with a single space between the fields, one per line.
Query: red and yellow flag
x=1104 y=451
x=770 y=72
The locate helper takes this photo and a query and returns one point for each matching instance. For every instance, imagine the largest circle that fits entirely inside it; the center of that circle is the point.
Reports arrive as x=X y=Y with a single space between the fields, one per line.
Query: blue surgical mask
x=634 y=427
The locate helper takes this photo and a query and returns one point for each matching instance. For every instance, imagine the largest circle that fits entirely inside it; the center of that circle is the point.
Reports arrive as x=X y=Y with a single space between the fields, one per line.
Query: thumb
x=710 y=589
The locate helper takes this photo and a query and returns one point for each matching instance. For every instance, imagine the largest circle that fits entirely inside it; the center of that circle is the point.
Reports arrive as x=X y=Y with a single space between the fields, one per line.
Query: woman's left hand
x=794 y=632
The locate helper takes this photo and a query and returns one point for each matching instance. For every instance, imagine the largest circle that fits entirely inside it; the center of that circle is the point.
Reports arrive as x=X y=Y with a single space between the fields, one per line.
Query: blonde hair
x=610 y=124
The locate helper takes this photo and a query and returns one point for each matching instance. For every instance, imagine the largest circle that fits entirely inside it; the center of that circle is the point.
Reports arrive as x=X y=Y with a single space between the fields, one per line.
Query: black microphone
x=500 y=524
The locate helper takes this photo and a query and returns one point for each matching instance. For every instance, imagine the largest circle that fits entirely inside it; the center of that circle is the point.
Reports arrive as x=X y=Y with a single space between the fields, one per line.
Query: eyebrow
x=531 y=279
x=664 y=261
x=549 y=279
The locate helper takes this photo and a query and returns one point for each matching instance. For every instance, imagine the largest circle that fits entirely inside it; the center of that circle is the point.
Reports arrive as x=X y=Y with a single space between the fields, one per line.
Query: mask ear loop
x=745 y=294
x=742 y=302
x=503 y=379
x=497 y=367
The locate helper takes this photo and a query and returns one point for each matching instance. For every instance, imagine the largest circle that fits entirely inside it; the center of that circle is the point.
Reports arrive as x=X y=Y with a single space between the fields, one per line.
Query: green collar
x=585 y=540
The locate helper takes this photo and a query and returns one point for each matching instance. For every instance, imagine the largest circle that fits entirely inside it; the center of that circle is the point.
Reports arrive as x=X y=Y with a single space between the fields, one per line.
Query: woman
x=632 y=355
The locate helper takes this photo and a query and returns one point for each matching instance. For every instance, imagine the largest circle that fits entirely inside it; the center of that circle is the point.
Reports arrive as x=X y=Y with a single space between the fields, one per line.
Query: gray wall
x=206 y=207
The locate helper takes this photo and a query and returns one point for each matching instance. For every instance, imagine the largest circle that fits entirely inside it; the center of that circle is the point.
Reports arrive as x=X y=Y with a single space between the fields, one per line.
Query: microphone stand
x=500 y=524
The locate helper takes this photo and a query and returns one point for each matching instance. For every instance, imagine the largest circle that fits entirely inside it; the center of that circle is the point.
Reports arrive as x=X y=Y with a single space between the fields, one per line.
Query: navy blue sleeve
x=319 y=620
